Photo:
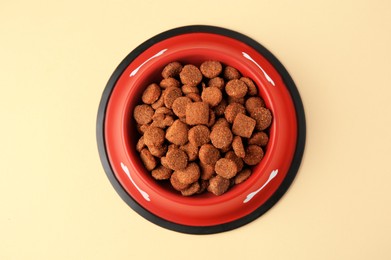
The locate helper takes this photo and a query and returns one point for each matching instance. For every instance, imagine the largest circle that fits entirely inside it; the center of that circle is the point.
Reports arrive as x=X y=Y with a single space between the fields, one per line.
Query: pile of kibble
x=202 y=128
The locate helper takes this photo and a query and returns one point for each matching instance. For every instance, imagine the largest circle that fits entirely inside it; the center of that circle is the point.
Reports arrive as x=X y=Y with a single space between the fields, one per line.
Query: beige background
x=55 y=59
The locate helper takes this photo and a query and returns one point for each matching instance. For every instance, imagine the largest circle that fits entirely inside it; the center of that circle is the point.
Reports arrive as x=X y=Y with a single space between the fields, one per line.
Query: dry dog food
x=202 y=128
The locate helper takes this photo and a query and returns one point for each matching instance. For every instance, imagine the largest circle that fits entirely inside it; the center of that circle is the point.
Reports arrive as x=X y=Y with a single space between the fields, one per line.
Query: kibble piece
x=162 y=121
x=142 y=128
x=159 y=103
x=161 y=173
x=151 y=94
x=216 y=82
x=191 y=151
x=212 y=96
x=221 y=122
x=140 y=144
x=220 y=108
x=242 y=176
x=170 y=94
x=211 y=69
x=194 y=97
x=176 y=184
x=158 y=151
x=207 y=171
x=148 y=160
x=237 y=146
x=192 y=189
x=231 y=73
x=203 y=186
x=252 y=89
x=221 y=137
x=243 y=125
x=208 y=154
x=176 y=159
x=233 y=157
x=177 y=133
x=154 y=136
x=164 y=111
x=253 y=103
x=199 y=135
x=236 y=100
x=190 y=174
x=263 y=118
x=172 y=70
x=187 y=89
x=190 y=75
x=233 y=110
x=163 y=161
x=197 y=113
x=226 y=168
x=143 y=114
x=259 y=138
x=254 y=155
x=179 y=106
x=212 y=118
x=218 y=185
x=169 y=83
x=236 y=88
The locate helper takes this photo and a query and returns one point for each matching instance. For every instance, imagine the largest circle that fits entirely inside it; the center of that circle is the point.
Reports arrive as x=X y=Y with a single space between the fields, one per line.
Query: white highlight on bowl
x=264 y=73
x=143 y=193
x=252 y=194
x=154 y=56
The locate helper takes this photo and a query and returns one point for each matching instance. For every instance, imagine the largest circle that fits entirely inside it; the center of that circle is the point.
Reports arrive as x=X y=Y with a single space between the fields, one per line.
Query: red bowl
x=117 y=134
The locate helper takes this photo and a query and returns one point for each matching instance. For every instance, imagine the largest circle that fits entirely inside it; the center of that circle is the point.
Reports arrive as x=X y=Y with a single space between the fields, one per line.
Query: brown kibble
x=190 y=75
x=237 y=146
x=154 y=136
x=221 y=122
x=208 y=154
x=176 y=184
x=163 y=161
x=191 y=151
x=177 y=133
x=253 y=103
x=263 y=118
x=170 y=94
x=179 y=106
x=218 y=185
x=143 y=114
x=226 y=168
x=236 y=88
x=142 y=128
x=216 y=82
x=212 y=118
x=161 y=173
x=259 y=138
x=199 y=135
x=211 y=69
x=221 y=137
x=231 y=73
x=203 y=186
x=207 y=171
x=190 y=174
x=159 y=103
x=242 y=176
x=192 y=189
x=158 y=151
x=236 y=100
x=176 y=159
x=212 y=96
x=164 y=111
x=148 y=160
x=233 y=157
x=233 y=110
x=169 y=83
x=220 y=108
x=140 y=144
x=197 y=113
x=243 y=125
x=172 y=70
x=254 y=155
x=252 y=89
x=194 y=97
x=162 y=121
x=151 y=94
x=187 y=89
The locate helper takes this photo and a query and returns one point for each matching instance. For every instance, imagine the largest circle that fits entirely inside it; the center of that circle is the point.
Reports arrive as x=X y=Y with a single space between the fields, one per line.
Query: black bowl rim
x=297 y=157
